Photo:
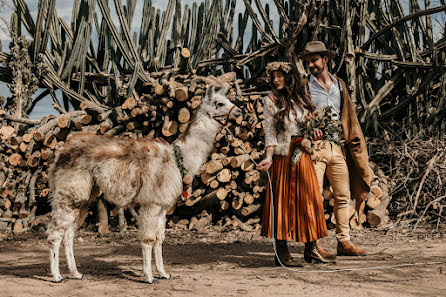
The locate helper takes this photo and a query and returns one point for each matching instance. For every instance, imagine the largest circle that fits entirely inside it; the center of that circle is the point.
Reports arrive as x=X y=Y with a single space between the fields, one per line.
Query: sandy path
x=224 y=264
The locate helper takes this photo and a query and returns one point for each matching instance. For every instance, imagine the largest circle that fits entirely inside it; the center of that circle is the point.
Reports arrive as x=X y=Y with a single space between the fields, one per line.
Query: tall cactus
x=24 y=78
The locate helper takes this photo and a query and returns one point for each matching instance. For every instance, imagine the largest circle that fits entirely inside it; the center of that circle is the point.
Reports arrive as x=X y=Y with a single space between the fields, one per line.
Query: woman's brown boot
x=284 y=256
x=312 y=253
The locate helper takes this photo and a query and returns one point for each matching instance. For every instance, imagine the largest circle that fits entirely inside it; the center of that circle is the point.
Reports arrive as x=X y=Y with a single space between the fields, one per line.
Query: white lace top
x=270 y=129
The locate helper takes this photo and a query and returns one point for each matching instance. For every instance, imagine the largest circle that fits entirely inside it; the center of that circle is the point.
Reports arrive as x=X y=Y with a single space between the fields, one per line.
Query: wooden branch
x=373 y=56
x=19 y=120
x=402 y=20
x=258 y=53
x=430 y=166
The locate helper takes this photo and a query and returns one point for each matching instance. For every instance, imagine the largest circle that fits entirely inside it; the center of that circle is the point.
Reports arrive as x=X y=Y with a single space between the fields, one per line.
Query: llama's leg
x=147 y=261
x=147 y=228
x=73 y=188
x=159 y=244
x=69 y=254
x=62 y=226
x=55 y=238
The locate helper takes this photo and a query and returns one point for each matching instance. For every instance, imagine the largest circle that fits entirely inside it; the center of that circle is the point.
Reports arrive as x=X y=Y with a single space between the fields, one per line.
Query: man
x=346 y=167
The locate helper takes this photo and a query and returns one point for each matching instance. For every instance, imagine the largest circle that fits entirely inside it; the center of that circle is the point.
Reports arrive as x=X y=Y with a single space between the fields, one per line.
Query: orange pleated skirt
x=298 y=205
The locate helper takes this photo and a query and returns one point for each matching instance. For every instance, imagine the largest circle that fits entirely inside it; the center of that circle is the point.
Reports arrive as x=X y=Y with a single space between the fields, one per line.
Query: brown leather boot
x=347 y=248
x=324 y=253
x=312 y=253
x=284 y=256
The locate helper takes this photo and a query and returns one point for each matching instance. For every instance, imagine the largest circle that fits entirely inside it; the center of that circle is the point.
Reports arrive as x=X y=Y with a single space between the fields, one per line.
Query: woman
x=298 y=207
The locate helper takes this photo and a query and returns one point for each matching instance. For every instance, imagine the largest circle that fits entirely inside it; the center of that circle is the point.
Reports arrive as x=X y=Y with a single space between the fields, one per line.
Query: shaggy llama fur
x=128 y=172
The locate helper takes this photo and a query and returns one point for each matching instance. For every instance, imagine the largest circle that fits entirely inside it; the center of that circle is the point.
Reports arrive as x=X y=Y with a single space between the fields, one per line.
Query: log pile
x=228 y=183
x=227 y=189
x=374 y=213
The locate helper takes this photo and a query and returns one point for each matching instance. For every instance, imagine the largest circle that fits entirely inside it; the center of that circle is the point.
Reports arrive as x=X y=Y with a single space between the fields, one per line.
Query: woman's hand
x=317 y=135
x=265 y=164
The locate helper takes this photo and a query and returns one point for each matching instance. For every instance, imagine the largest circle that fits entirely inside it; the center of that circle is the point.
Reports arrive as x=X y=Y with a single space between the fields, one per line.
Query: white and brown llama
x=143 y=172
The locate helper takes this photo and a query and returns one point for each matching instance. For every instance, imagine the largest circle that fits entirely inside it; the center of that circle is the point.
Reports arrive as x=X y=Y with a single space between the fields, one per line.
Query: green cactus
x=13 y=25
x=24 y=80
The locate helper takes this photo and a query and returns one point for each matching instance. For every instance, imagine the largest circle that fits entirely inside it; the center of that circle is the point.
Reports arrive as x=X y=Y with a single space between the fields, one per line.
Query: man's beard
x=316 y=71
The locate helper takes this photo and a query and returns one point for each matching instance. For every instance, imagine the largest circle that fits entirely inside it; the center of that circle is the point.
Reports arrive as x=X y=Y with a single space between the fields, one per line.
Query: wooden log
x=50 y=141
x=183 y=115
x=14 y=159
x=247 y=165
x=5 y=203
x=214 y=184
x=251 y=176
x=159 y=90
x=45 y=153
x=27 y=137
x=4 y=192
x=204 y=221
x=129 y=103
x=237 y=202
x=250 y=209
x=104 y=115
x=23 y=147
x=6 y=132
x=224 y=175
x=181 y=93
x=195 y=104
x=378 y=215
x=213 y=166
x=238 y=223
x=222 y=193
x=33 y=161
x=236 y=162
x=63 y=121
x=187 y=179
x=169 y=127
x=248 y=199
x=327 y=193
x=185 y=63
x=192 y=223
x=37 y=136
x=106 y=125
x=224 y=205
x=18 y=227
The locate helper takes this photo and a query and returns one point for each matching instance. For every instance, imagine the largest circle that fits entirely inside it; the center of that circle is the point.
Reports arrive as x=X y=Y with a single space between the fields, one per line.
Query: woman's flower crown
x=274 y=66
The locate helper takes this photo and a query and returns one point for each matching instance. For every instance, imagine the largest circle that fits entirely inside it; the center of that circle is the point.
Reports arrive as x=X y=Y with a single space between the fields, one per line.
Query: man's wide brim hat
x=316 y=47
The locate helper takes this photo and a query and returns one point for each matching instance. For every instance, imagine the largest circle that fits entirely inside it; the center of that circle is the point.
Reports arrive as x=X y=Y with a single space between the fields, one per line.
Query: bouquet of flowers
x=324 y=120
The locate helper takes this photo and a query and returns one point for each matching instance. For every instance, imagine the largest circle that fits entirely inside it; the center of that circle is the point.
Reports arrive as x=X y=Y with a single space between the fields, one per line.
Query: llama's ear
x=210 y=91
x=223 y=90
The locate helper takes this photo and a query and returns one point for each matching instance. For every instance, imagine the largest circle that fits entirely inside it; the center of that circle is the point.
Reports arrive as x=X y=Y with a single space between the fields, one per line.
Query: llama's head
x=218 y=106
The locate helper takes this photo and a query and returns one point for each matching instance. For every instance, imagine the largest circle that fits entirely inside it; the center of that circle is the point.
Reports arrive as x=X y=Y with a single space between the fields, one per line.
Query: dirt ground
x=232 y=263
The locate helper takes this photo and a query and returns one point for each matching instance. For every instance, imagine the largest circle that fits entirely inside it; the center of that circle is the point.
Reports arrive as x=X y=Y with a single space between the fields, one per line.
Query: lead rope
x=323 y=271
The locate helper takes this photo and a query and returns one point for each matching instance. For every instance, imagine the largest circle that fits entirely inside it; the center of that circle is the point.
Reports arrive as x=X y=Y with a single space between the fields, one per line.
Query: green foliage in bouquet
x=324 y=120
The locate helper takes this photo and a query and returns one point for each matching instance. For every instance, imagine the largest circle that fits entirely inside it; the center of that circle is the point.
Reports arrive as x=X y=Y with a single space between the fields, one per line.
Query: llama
x=143 y=172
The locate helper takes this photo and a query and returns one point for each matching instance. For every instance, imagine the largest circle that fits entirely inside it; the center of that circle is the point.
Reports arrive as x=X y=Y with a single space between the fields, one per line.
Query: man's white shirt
x=322 y=98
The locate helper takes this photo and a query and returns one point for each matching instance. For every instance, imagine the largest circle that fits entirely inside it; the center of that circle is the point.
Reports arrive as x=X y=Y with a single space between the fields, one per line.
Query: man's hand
x=265 y=164
x=317 y=135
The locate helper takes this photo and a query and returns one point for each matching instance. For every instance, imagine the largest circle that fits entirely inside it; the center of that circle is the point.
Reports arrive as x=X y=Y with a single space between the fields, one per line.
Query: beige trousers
x=328 y=158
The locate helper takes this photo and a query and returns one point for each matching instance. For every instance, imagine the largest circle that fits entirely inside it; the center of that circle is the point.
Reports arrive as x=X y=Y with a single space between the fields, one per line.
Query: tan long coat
x=355 y=150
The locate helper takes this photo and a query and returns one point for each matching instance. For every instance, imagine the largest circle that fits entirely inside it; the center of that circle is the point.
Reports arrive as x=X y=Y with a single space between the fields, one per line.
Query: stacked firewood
x=373 y=212
x=229 y=180
x=227 y=189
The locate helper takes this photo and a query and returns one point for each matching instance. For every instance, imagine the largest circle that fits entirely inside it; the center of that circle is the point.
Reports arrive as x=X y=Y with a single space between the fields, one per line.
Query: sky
x=64 y=10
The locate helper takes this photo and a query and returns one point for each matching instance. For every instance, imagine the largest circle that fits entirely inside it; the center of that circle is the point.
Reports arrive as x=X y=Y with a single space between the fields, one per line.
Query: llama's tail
x=52 y=169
